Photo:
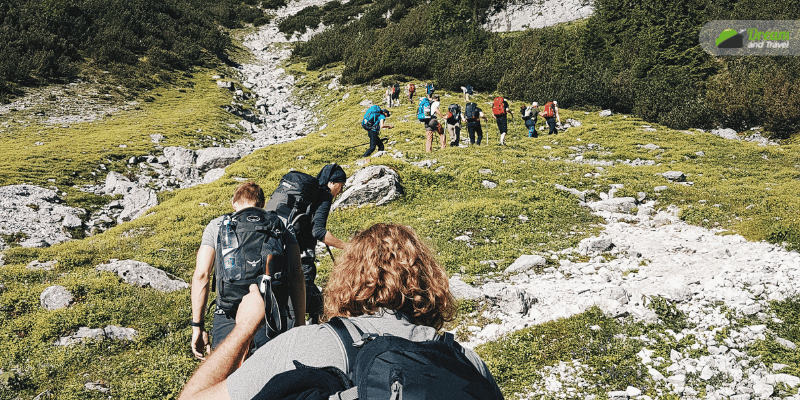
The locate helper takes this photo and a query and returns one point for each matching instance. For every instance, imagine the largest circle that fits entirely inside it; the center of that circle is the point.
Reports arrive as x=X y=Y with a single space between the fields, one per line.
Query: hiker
x=410 y=89
x=529 y=115
x=433 y=125
x=386 y=282
x=387 y=96
x=473 y=115
x=282 y=264
x=304 y=203
x=453 y=119
x=395 y=95
x=550 y=115
x=429 y=90
x=374 y=120
x=468 y=91
x=500 y=110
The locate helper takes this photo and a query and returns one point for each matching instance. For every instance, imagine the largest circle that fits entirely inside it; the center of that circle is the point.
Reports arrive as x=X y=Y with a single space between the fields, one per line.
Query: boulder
x=595 y=245
x=605 y=113
x=488 y=184
x=618 y=205
x=55 y=298
x=526 y=262
x=216 y=157
x=109 y=332
x=117 y=183
x=37 y=265
x=377 y=184
x=179 y=157
x=36 y=215
x=674 y=176
x=143 y=275
x=136 y=203
x=213 y=175
x=463 y=291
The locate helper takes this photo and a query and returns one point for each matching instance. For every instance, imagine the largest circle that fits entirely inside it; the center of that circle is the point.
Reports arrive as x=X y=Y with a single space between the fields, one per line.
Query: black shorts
x=502 y=123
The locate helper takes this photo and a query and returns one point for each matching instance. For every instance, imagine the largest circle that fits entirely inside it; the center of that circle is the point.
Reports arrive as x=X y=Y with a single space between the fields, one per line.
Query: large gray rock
x=36 y=215
x=216 y=157
x=109 y=332
x=674 y=176
x=463 y=291
x=55 y=298
x=531 y=14
x=616 y=205
x=136 y=203
x=595 y=245
x=510 y=300
x=143 y=275
x=181 y=161
x=376 y=184
x=117 y=183
x=525 y=262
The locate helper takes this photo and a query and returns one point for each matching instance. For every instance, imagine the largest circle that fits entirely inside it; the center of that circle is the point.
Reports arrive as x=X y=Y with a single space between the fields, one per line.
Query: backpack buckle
x=365 y=338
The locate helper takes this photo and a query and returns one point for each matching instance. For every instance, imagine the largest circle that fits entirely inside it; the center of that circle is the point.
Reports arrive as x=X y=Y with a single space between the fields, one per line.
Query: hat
x=331 y=173
x=535 y=104
x=555 y=102
x=386 y=112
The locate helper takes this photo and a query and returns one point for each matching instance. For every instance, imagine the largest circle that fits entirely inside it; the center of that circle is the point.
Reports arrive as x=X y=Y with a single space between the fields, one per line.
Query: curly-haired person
x=386 y=282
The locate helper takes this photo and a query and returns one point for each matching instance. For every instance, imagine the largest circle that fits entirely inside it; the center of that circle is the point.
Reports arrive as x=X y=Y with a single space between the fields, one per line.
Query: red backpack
x=549 y=110
x=499 y=107
x=412 y=88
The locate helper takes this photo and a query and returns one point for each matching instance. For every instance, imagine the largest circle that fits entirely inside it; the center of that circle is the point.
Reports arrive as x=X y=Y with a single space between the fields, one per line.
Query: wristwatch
x=197 y=324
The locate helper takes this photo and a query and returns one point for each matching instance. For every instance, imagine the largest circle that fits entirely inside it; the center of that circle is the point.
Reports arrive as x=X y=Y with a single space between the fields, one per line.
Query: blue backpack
x=424 y=109
x=371 y=117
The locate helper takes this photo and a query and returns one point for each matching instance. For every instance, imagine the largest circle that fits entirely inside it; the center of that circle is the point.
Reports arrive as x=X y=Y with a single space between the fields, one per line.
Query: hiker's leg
x=503 y=138
x=471 y=132
x=428 y=140
x=457 y=129
x=479 y=130
x=373 y=142
x=442 y=140
x=378 y=141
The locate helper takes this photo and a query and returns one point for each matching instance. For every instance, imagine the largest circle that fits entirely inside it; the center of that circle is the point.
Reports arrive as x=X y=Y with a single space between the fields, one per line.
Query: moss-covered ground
x=738 y=186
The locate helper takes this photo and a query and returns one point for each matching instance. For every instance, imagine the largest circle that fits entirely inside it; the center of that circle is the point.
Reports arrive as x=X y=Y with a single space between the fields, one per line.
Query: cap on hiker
x=386 y=112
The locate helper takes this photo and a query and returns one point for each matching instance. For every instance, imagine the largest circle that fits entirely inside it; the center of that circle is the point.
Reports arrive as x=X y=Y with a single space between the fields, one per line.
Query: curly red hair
x=388 y=266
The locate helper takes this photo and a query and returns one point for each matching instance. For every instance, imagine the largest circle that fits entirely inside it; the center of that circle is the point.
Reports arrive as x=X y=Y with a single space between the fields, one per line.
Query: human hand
x=250 y=314
x=200 y=345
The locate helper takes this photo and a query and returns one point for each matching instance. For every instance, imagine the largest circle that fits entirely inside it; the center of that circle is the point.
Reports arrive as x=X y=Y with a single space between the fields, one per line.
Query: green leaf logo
x=729 y=38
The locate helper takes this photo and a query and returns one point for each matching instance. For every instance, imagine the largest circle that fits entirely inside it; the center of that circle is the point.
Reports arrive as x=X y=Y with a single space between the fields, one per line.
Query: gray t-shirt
x=318 y=346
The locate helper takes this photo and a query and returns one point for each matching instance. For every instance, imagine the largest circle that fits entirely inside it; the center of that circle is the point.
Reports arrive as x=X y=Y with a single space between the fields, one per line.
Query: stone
x=117 y=183
x=618 y=395
x=651 y=146
x=595 y=245
x=660 y=188
x=213 y=175
x=375 y=184
x=789 y=380
x=136 y=203
x=55 y=298
x=521 y=16
x=216 y=157
x=109 y=332
x=618 y=204
x=762 y=390
x=525 y=262
x=488 y=184
x=463 y=291
x=786 y=344
x=726 y=133
x=674 y=176
x=605 y=113
x=37 y=216
x=141 y=274
x=37 y=265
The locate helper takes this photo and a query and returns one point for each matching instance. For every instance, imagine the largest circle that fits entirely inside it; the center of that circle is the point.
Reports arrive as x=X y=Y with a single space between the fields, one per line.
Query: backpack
x=396 y=88
x=412 y=88
x=430 y=89
x=250 y=243
x=499 y=107
x=522 y=113
x=424 y=109
x=471 y=111
x=453 y=113
x=293 y=201
x=469 y=89
x=385 y=367
x=371 y=117
x=530 y=122
x=549 y=110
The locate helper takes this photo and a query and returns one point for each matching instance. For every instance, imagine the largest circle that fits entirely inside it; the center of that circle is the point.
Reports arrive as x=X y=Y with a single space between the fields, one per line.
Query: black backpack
x=469 y=89
x=293 y=201
x=256 y=247
x=453 y=113
x=471 y=111
x=396 y=89
x=386 y=367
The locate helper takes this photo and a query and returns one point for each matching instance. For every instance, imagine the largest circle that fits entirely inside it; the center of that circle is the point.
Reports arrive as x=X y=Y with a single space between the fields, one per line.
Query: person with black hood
x=374 y=120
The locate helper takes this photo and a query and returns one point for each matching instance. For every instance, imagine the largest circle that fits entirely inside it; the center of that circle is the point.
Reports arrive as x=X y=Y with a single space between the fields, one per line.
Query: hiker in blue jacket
x=413 y=305
x=374 y=120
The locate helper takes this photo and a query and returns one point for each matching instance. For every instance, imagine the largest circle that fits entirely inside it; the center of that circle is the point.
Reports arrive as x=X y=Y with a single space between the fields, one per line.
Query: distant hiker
x=529 y=115
x=453 y=119
x=304 y=202
x=387 y=97
x=500 y=111
x=468 y=91
x=473 y=115
x=410 y=89
x=388 y=292
x=374 y=120
x=550 y=114
x=396 y=95
x=240 y=247
x=433 y=125
x=429 y=89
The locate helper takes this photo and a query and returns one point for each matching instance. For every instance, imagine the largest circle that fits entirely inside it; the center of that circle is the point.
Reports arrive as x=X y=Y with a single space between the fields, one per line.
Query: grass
x=753 y=187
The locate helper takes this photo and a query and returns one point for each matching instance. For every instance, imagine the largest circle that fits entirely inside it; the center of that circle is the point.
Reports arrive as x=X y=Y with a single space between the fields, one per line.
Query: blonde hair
x=388 y=266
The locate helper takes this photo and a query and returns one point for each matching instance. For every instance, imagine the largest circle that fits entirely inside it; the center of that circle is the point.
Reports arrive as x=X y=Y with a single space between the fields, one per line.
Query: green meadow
x=739 y=187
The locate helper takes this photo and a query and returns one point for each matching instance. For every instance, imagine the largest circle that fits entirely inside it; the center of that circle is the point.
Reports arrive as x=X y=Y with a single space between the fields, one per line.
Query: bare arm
x=297 y=286
x=208 y=382
x=199 y=295
x=331 y=240
x=384 y=126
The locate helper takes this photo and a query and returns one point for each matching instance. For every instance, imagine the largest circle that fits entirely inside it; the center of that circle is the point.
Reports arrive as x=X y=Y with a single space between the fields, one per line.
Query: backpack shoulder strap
x=348 y=334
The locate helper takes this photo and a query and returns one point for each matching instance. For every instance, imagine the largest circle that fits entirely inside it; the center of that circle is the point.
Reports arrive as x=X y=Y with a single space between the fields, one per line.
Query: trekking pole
x=358 y=145
x=331 y=253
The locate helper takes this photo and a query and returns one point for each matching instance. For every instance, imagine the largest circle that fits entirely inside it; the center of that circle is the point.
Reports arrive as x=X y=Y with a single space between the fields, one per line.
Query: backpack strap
x=348 y=334
x=349 y=394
